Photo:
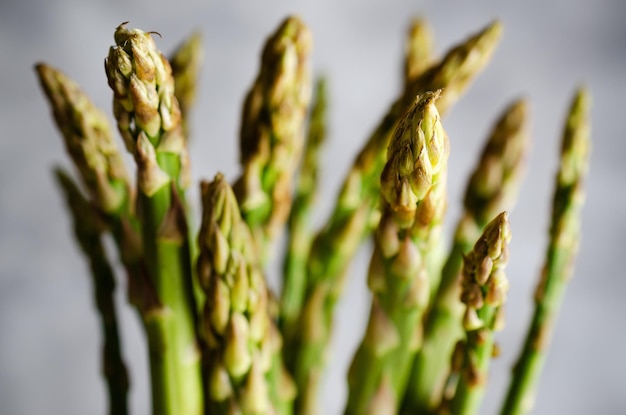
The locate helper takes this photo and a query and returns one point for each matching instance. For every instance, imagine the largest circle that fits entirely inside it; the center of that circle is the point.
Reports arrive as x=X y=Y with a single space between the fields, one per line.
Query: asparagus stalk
x=88 y=230
x=418 y=51
x=413 y=186
x=149 y=121
x=272 y=132
x=564 y=236
x=355 y=214
x=300 y=231
x=242 y=344
x=484 y=290
x=186 y=62
x=492 y=188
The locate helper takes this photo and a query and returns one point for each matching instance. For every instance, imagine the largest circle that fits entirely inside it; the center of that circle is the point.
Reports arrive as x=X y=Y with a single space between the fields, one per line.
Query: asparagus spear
x=149 y=120
x=413 y=186
x=564 y=236
x=186 y=62
x=88 y=140
x=418 y=51
x=242 y=344
x=88 y=230
x=272 y=134
x=492 y=188
x=300 y=232
x=355 y=214
x=484 y=290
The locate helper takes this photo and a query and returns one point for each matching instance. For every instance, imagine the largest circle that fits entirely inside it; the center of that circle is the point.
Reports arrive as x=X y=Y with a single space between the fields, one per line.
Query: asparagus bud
x=484 y=290
x=272 y=134
x=413 y=194
x=88 y=140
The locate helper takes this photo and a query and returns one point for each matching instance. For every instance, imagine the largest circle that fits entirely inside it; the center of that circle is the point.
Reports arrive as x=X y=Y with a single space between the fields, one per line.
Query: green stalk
x=186 y=62
x=149 y=120
x=356 y=214
x=563 y=246
x=484 y=290
x=492 y=188
x=413 y=186
x=242 y=369
x=88 y=230
x=300 y=230
x=272 y=132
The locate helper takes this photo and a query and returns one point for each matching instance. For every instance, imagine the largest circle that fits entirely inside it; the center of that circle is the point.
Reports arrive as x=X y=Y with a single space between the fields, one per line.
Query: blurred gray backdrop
x=49 y=341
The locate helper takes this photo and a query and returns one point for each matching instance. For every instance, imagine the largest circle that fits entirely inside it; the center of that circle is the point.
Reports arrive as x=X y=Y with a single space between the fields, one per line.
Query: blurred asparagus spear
x=186 y=62
x=418 y=51
x=89 y=142
x=88 y=230
x=564 y=236
x=413 y=186
x=492 y=188
x=149 y=121
x=272 y=132
x=300 y=230
x=355 y=213
x=243 y=345
x=484 y=290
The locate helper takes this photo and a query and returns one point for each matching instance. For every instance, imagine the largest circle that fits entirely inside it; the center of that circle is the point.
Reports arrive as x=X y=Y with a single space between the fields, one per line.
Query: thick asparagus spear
x=418 y=51
x=88 y=230
x=243 y=345
x=413 y=186
x=564 y=236
x=272 y=132
x=484 y=290
x=300 y=230
x=492 y=188
x=355 y=213
x=186 y=62
x=149 y=120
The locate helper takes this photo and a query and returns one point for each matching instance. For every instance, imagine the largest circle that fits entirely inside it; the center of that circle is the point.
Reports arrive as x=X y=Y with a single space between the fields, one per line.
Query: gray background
x=49 y=341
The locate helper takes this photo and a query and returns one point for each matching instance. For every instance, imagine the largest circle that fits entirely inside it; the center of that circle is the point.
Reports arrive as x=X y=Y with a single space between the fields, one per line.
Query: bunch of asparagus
x=219 y=341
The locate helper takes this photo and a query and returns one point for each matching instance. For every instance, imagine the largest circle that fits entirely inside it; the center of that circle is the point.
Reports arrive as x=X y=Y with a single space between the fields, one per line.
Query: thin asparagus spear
x=186 y=62
x=492 y=188
x=272 y=132
x=413 y=186
x=88 y=230
x=149 y=120
x=563 y=246
x=418 y=51
x=355 y=214
x=242 y=343
x=484 y=290
x=300 y=230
